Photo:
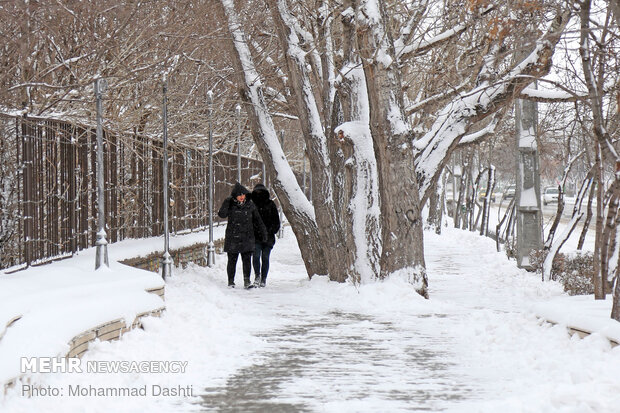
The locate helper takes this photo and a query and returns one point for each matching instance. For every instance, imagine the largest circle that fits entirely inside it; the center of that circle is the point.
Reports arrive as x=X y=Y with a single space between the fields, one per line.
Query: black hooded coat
x=268 y=213
x=243 y=222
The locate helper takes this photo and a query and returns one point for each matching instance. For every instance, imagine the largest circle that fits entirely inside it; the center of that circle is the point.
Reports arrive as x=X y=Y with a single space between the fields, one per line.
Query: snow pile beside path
x=202 y=326
x=519 y=362
x=524 y=365
x=59 y=301
x=581 y=312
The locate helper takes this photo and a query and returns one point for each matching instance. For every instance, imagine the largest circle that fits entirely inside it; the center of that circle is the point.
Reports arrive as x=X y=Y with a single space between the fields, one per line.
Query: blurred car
x=483 y=194
x=550 y=194
x=509 y=192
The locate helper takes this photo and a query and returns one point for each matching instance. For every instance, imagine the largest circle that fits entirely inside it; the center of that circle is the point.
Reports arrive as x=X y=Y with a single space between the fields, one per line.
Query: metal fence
x=50 y=209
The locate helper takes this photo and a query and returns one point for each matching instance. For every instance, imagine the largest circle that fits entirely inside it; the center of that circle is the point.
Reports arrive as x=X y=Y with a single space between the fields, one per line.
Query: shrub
x=575 y=271
x=510 y=247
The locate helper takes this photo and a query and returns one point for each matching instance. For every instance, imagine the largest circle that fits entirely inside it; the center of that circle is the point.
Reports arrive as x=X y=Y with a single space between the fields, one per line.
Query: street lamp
x=166 y=262
x=101 y=258
x=210 y=246
x=238 y=113
x=281 y=231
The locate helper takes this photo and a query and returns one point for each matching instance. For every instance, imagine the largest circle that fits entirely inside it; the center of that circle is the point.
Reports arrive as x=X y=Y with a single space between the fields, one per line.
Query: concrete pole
x=101 y=258
x=527 y=193
x=166 y=260
x=211 y=245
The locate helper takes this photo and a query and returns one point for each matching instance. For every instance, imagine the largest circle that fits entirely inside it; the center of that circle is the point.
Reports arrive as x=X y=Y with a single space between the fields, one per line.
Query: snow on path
x=473 y=347
x=318 y=346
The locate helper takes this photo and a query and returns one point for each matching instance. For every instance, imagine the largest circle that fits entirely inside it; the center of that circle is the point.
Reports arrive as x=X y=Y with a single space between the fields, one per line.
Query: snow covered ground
x=298 y=345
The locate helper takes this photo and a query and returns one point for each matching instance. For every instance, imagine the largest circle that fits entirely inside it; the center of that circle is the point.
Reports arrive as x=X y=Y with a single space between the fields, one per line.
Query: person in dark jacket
x=244 y=222
x=269 y=214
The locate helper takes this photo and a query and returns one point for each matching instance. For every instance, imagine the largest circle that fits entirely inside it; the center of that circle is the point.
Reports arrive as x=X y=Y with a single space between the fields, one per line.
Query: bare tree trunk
x=442 y=205
x=459 y=210
x=599 y=284
x=398 y=183
x=473 y=226
x=556 y=220
x=586 y=223
x=484 y=227
x=615 y=309
x=604 y=144
x=553 y=247
x=435 y=207
x=609 y=234
x=332 y=233
x=498 y=228
x=298 y=210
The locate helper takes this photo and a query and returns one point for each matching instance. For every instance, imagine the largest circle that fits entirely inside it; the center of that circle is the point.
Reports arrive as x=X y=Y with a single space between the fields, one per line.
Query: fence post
x=102 y=244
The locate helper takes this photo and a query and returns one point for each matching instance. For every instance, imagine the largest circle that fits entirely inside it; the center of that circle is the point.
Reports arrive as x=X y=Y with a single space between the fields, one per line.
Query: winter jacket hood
x=268 y=213
x=239 y=190
x=260 y=195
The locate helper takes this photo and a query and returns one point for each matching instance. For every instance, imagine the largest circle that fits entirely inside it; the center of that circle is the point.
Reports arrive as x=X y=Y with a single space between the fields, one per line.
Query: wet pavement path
x=321 y=361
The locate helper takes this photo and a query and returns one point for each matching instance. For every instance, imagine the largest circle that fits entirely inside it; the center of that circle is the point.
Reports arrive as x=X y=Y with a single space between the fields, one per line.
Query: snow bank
x=59 y=301
x=581 y=312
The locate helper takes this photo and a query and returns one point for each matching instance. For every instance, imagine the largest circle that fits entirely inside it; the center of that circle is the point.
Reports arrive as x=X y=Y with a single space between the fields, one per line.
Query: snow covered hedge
x=574 y=271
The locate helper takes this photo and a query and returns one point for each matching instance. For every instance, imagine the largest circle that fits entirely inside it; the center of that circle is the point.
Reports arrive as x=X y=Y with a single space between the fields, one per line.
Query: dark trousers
x=261 y=261
x=231 y=268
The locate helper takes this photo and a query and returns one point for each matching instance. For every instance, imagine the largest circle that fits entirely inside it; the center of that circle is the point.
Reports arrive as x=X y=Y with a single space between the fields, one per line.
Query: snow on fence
x=48 y=187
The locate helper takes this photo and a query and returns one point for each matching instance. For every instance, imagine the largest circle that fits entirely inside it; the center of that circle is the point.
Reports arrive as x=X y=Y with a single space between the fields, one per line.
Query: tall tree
x=378 y=137
x=596 y=44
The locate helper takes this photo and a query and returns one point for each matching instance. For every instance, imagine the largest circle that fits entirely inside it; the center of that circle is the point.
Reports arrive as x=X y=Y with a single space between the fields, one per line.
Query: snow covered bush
x=574 y=271
x=510 y=247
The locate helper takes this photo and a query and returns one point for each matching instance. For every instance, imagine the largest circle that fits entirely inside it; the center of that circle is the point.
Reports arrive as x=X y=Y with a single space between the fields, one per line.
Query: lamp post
x=101 y=258
x=238 y=113
x=166 y=261
x=281 y=231
x=210 y=246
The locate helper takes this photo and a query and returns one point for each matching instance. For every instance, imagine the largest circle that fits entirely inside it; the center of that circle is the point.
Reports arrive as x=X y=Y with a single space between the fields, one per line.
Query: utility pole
x=101 y=85
x=210 y=246
x=527 y=191
x=281 y=231
x=166 y=262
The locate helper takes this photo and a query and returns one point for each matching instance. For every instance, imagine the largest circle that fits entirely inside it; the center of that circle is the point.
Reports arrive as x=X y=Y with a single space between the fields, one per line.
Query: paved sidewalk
x=470 y=349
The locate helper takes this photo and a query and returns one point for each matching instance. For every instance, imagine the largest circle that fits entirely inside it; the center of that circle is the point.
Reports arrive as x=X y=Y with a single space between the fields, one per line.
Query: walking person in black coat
x=244 y=222
x=269 y=214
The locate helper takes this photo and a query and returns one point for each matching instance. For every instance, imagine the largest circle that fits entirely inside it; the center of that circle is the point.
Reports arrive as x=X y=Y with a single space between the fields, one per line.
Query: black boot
x=247 y=284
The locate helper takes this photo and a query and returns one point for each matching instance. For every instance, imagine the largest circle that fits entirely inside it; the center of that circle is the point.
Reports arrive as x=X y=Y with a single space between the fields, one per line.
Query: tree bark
x=332 y=233
x=298 y=210
x=598 y=282
x=398 y=184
